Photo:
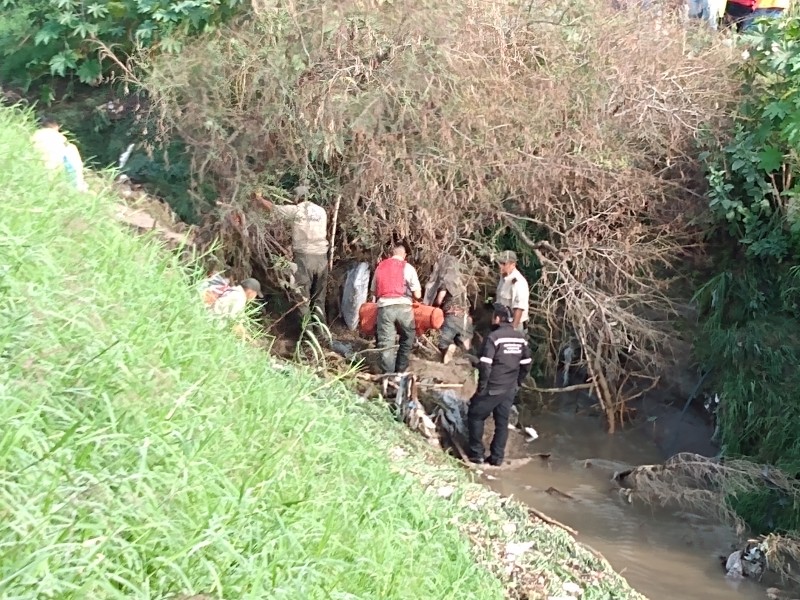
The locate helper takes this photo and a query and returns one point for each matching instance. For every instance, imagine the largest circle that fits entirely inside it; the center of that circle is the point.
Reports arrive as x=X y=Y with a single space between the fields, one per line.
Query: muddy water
x=664 y=554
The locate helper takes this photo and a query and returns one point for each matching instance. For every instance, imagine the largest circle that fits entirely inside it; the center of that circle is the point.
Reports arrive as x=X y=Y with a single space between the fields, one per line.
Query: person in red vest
x=736 y=11
x=395 y=287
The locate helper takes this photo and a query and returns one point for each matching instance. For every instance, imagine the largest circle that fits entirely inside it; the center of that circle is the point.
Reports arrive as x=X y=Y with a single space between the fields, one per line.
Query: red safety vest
x=390 y=281
x=748 y=4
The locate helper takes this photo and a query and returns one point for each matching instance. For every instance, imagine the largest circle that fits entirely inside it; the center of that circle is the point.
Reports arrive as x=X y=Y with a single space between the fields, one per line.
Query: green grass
x=144 y=452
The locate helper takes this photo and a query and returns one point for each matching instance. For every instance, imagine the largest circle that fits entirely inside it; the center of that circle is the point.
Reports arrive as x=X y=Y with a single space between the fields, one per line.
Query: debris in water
x=776 y=594
x=531 y=434
x=607 y=465
x=556 y=492
x=733 y=566
x=751 y=561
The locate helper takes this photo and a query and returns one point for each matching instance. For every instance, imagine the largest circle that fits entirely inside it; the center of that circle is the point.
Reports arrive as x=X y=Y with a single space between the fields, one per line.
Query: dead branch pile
x=568 y=129
x=711 y=486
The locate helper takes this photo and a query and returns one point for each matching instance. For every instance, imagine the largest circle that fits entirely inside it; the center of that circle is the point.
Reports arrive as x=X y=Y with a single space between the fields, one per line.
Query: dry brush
x=569 y=128
x=713 y=487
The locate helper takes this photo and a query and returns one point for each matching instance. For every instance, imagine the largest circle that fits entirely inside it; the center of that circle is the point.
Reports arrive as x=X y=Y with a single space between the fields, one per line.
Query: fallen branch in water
x=709 y=485
x=551 y=521
x=556 y=492
x=569 y=388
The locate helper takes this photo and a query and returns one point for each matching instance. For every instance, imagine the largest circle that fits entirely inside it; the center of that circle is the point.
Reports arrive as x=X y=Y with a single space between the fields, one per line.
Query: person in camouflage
x=451 y=297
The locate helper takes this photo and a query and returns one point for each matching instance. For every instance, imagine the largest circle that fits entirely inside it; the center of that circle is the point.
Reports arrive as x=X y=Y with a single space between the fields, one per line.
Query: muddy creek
x=663 y=553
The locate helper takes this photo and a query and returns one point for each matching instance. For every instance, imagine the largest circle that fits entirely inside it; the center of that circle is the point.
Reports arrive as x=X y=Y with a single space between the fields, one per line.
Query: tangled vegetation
x=468 y=128
x=751 y=305
x=715 y=487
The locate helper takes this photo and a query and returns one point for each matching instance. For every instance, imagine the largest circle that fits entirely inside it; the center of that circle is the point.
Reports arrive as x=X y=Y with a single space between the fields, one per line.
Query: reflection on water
x=664 y=553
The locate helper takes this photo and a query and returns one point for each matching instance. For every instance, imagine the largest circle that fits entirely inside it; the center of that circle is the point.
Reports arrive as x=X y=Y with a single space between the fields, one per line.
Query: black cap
x=503 y=312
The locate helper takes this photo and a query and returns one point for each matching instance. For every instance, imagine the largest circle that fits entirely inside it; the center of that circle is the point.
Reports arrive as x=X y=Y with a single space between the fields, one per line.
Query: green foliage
x=145 y=453
x=757 y=378
x=751 y=308
x=64 y=37
x=753 y=189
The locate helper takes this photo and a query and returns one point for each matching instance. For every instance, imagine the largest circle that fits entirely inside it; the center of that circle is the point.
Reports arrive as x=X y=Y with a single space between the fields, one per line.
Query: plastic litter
x=356 y=289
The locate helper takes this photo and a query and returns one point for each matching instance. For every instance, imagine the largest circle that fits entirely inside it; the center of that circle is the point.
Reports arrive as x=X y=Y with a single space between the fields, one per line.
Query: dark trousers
x=736 y=14
x=312 y=279
x=480 y=407
x=457 y=329
x=393 y=320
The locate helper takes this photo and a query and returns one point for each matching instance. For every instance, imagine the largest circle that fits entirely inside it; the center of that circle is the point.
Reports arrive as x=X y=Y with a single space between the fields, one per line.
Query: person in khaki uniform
x=512 y=289
x=309 y=246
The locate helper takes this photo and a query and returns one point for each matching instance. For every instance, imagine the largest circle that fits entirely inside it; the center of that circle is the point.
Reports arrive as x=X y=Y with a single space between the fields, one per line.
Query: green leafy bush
x=65 y=37
x=753 y=189
x=750 y=307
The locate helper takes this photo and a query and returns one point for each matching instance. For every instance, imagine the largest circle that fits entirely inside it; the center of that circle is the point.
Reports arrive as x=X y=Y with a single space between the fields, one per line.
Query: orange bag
x=425 y=318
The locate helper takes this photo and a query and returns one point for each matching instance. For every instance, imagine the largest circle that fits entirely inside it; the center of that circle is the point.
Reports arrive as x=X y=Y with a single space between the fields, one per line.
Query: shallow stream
x=663 y=553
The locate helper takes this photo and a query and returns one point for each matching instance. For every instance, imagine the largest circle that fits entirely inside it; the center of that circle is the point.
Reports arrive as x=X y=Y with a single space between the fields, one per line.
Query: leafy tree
x=64 y=37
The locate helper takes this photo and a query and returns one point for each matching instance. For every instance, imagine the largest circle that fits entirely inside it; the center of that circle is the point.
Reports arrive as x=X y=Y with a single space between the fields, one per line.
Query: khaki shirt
x=309 y=226
x=512 y=291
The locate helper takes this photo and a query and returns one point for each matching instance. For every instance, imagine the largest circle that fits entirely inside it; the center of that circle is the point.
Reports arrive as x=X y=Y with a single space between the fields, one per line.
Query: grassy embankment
x=144 y=452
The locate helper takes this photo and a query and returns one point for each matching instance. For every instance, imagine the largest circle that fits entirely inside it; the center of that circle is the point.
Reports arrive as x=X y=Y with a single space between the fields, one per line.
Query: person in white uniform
x=512 y=289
